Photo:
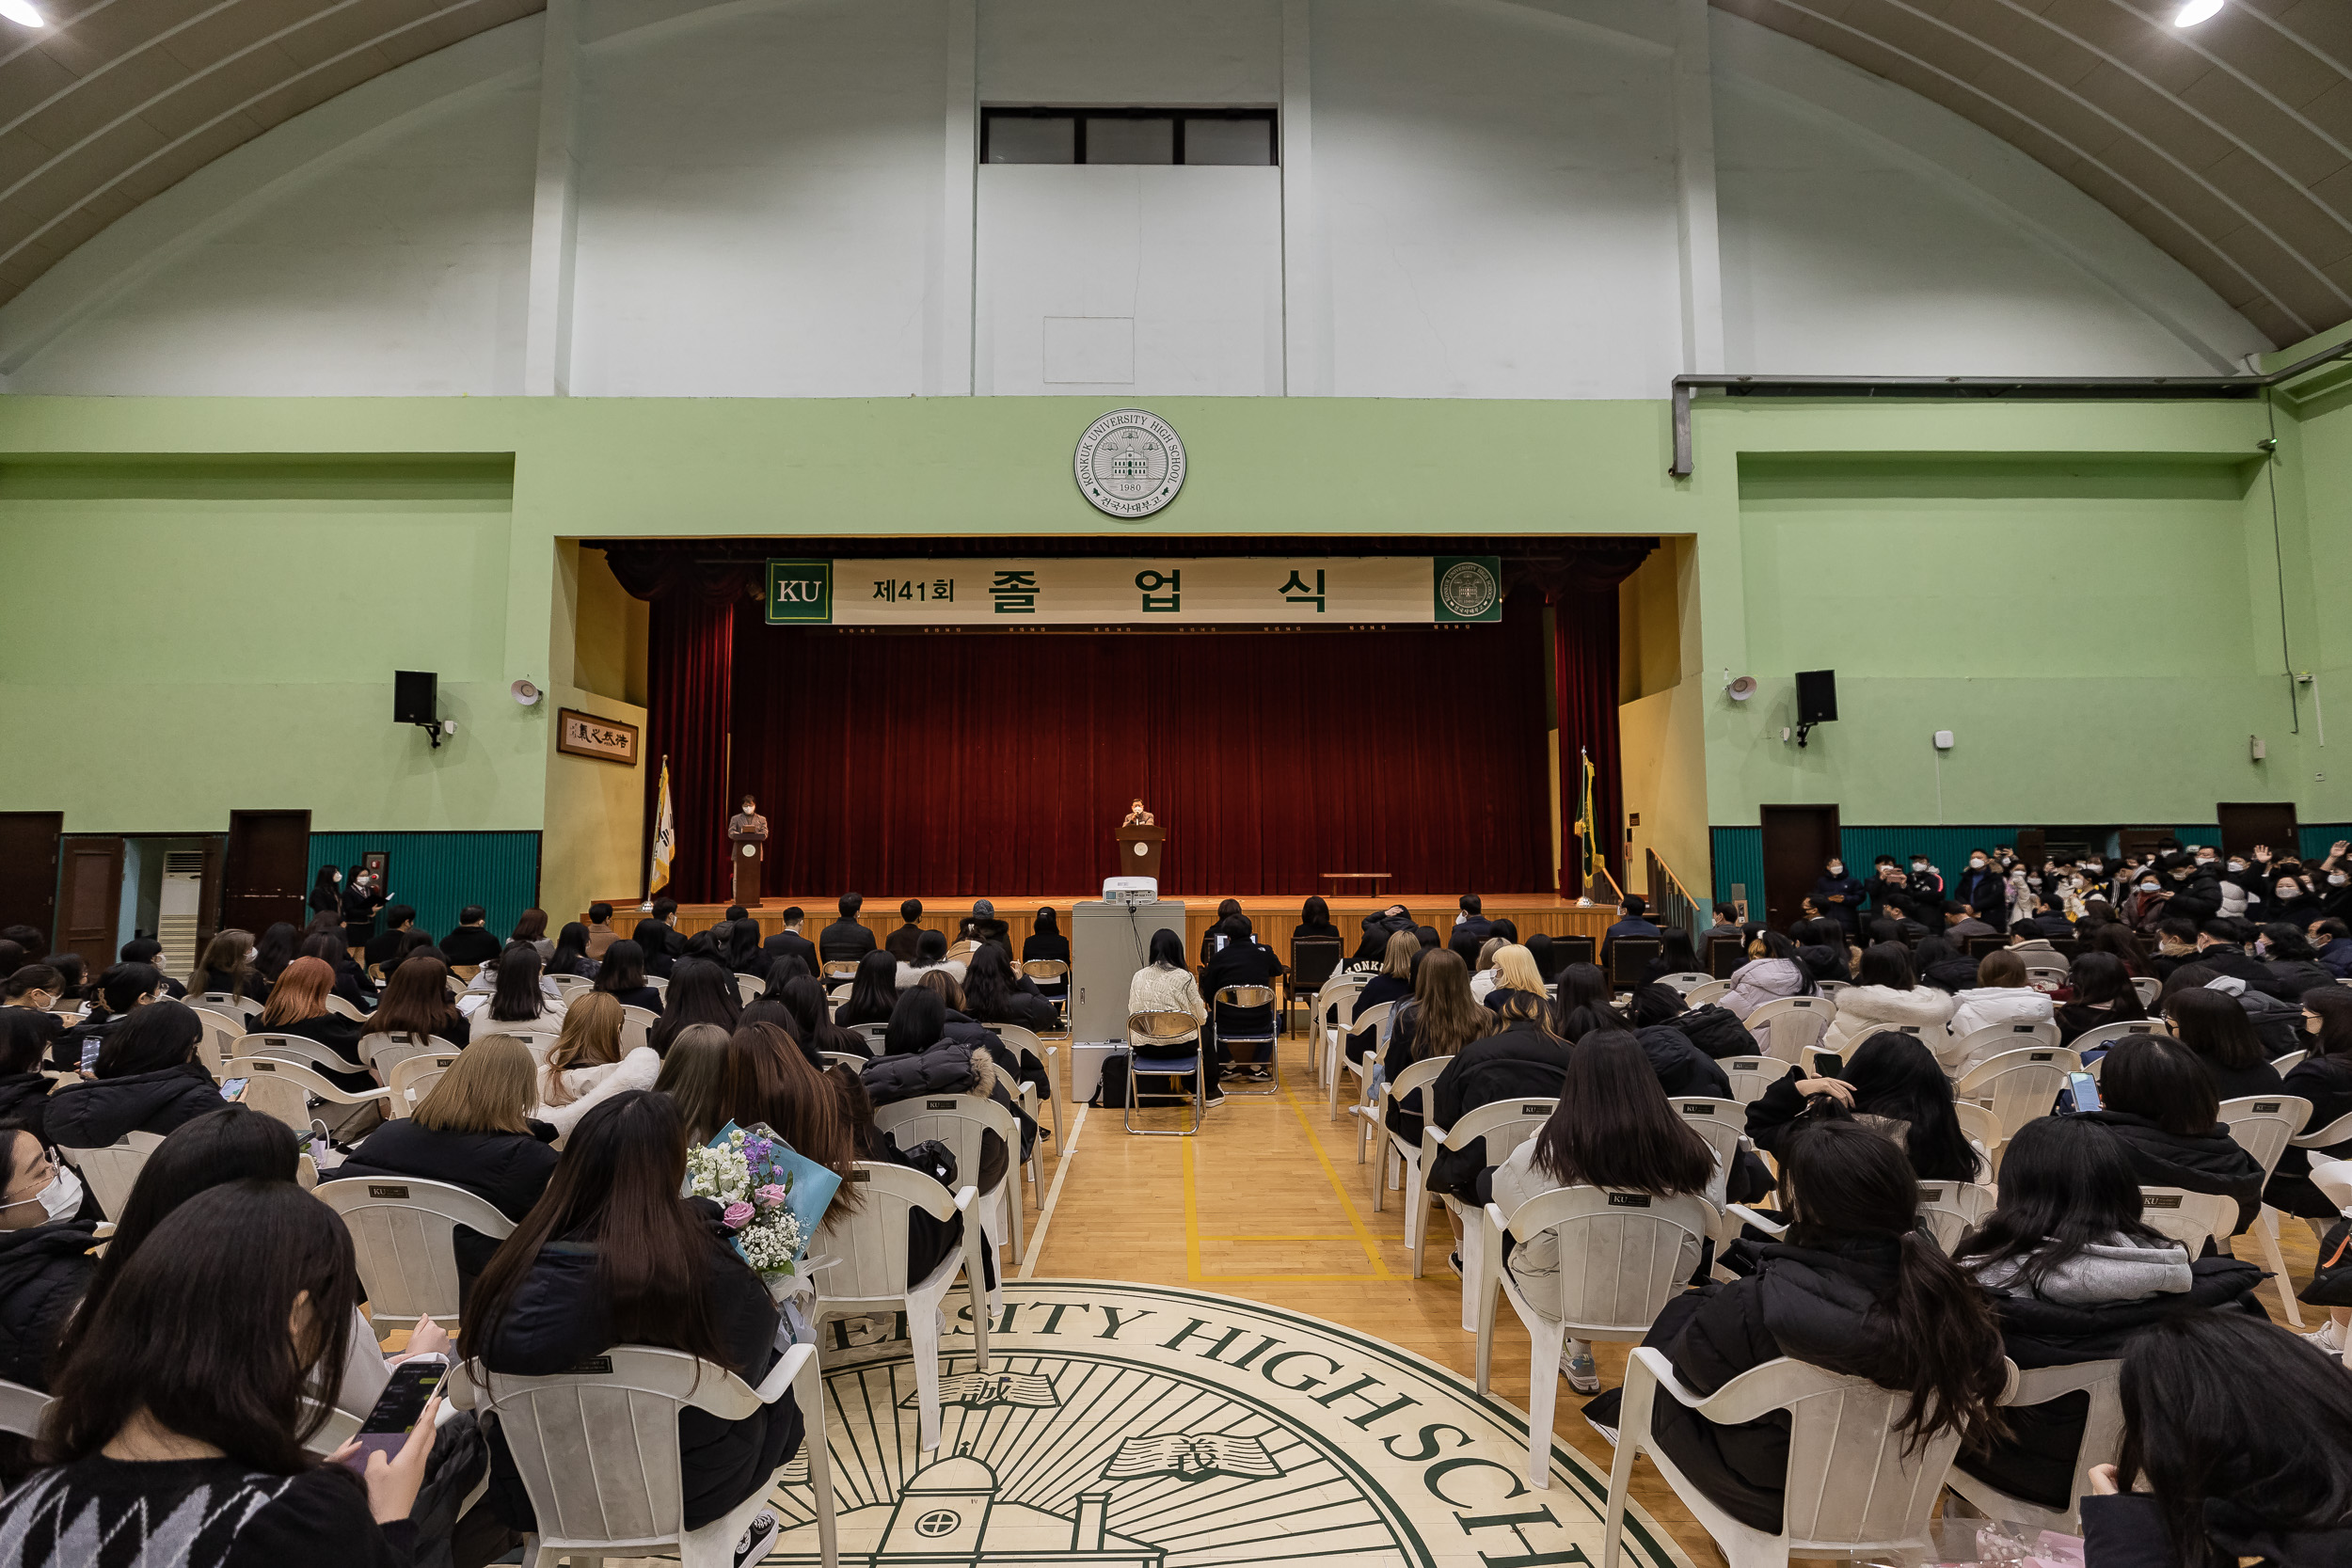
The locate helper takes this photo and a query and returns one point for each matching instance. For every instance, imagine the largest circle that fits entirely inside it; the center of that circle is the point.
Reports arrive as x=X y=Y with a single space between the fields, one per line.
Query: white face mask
x=2147 y=887
x=61 y=1199
x=252 y=954
x=2337 y=879
x=1836 y=869
x=1975 y=863
x=2287 y=890
x=1918 y=866
x=336 y=876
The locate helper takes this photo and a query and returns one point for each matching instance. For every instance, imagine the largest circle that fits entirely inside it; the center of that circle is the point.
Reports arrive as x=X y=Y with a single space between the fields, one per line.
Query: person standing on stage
x=1139 y=817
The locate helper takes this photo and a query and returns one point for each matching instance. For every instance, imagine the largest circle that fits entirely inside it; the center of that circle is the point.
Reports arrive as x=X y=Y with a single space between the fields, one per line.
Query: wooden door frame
x=117 y=847
x=48 y=925
x=300 y=914
x=1764 y=856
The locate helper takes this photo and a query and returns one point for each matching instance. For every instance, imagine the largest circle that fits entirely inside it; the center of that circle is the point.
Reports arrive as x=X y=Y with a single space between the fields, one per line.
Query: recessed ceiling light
x=2196 y=11
x=21 y=13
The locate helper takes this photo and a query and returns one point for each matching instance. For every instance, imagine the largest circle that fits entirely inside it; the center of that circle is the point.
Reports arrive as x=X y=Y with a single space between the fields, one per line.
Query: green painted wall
x=2089 y=594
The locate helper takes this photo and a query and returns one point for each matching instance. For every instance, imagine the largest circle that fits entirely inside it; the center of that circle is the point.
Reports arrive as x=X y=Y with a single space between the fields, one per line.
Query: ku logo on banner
x=800 y=593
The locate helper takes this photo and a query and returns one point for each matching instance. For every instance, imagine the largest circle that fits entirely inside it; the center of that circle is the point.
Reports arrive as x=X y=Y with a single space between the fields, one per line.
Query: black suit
x=796 y=945
x=844 y=942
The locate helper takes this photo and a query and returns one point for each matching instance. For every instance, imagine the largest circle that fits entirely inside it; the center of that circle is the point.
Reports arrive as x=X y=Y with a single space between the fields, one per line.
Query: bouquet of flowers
x=752 y=1174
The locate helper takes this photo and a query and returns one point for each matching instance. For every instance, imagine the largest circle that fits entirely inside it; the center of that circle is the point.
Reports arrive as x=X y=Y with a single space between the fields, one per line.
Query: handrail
x=1672 y=902
x=1602 y=866
x=2132 y=387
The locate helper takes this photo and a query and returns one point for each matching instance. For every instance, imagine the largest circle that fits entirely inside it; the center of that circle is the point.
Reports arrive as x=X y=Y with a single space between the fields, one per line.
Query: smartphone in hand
x=387 y=1428
x=2081 y=1093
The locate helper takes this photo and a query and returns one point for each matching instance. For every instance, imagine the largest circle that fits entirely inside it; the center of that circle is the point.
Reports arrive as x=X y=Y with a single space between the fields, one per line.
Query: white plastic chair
x=20 y=1409
x=401 y=1230
x=412 y=1077
x=960 y=1121
x=222 y=1030
x=1374 y=1018
x=1752 y=1075
x=749 y=987
x=1982 y=1129
x=1688 y=981
x=2044 y=975
x=2151 y=989
x=286 y=1089
x=2018 y=1087
x=114 y=1170
x=1831 y=987
x=1994 y=1039
x=2336 y=1132
x=634 y=1023
x=2289 y=1062
x=1621 y=1258
x=298 y=1048
x=1332 y=1001
x=1723 y=1123
x=242 y=1007
x=2189 y=1218
x=2104 y=1037
x=870 y=1033
x=1395 y=1153
x=341 y=1008
x=597 y=1450
x=850 y=1059
x=865 y=1270
x=1504 y=1125
x=383 y=1051
x=1714 y=991
x=569 y=986
x=2103 y=1438
x=1952 y=1208
x=1807 y=1019
x=2263 y=1125
x=1026 y=1042
x=1856 y=1487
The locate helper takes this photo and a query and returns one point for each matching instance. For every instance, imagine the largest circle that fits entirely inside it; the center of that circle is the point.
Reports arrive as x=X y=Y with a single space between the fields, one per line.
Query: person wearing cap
x=981 y=924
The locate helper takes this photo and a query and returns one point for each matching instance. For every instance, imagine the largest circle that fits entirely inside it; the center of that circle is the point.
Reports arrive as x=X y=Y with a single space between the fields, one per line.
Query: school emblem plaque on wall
x=1130 y=462
x=1125 y=1426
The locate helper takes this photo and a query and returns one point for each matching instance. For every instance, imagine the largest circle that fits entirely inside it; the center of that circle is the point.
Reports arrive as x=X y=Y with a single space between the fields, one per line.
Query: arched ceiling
x=2229 y=145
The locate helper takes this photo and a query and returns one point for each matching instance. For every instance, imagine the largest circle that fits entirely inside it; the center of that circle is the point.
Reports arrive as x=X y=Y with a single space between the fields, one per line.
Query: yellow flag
x=664 y=838
x=1585 y=825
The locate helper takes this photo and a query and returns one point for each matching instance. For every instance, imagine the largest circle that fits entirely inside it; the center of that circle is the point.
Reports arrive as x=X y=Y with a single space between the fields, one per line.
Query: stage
x=1273 y=919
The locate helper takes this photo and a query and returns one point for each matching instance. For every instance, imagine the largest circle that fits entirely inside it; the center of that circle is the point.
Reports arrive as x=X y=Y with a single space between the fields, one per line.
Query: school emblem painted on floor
x=1127 y=1426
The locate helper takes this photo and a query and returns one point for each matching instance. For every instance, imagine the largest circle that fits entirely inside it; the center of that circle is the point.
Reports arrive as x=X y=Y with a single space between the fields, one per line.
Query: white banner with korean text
x=1176 y=591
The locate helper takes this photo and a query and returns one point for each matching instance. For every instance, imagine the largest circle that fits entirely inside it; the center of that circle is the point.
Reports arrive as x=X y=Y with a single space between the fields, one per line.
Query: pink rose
x=738 y=1216
x=769 y=1197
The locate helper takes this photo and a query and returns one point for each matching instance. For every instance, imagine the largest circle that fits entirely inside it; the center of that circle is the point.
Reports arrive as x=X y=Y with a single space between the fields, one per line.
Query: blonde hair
x=1487 y=949
x=1397 y=963
x=490 y=1088
x=1515 y=969
x=591 y=1037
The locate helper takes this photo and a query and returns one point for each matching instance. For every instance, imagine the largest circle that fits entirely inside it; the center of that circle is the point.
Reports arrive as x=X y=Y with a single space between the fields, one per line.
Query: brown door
x=2247 y=823
x=1798 y=841
x=268 y=871
x=28 y=869
x=91 y=890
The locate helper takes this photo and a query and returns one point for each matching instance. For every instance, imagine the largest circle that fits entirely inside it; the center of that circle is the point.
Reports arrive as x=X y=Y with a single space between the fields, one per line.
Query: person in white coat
x=2000 y=995
x=587 y=1067
x=1886 y=995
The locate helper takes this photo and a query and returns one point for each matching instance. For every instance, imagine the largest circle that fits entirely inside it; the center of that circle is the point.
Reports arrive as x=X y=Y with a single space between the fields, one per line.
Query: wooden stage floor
x=1273 y=918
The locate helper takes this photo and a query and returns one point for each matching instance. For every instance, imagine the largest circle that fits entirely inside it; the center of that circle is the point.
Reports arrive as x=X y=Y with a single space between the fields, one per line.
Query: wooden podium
x=1140 y=852
x=747 y=854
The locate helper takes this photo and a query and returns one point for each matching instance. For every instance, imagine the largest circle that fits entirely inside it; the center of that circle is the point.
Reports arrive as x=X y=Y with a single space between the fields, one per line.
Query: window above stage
x=1243 y=137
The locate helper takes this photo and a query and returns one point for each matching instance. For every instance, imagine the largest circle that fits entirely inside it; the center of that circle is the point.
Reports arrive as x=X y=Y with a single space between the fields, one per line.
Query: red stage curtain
x=1001 y=765
x=1584 y=645
x=689 y=667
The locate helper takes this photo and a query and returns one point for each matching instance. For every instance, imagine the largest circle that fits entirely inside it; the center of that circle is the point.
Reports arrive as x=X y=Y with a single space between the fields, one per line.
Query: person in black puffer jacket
x=2160 y=1103
x=1682 y=1067
x=473 y=1130
x=1825 y=1294
x=148 y=1080
x=1715 y=1031
x=550 y=1299
x=23 y=1087
x=2196 y=891
x=1378 y=928
x=1523 y=1060
x=2076 y=1273
x=45 y=1260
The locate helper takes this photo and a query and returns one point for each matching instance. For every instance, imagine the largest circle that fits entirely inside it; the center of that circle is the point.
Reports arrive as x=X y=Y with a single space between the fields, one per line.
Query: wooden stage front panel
x=1273 y=919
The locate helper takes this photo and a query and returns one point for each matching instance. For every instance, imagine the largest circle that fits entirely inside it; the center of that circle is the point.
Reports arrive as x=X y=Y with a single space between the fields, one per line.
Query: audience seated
x=23 y=1087
x=622 y=976
x=45 y=1258
x=930 y=953
x=1045 y=943
x=2333 y=940
x=348 y=982
x=417 y=1005
x=813 y=1023
x=993 y=993
x=1523 y=1060
x=2075 y=1274
x=227 y=967
x=2315 y=1185
x=2216 y=1027
x=571 y=953
x=1314 y=921
x=875 y=990
x=2238 y=1448
x=165 y=1417
x=1886 y=993
x=1392 y=984
x=956 y=1023
x=1438 y=1020
x=1681 y=1066
x=1242 y=959
x=297 y=1005
x=652 y=941
x=742 y=953
x=2294 y=966
x=1771 y=974
x=1163 y=984
x=2101 y=993
x=2002 y=995
x=768 y=1082
x=2158 y=1100
x=473 y=1130
x=1379 y=926
x=1613 y=1128
x=471 y=943
x=586 y=1067
x=277 y=947
x=1854 y=1286
x=790 y=943
x=700 y=992
x=900 y=944
x=122 y=989
x=694 y=1074
x=1632 y=921
x=1893 y=1083
x=1677 y=957
x=1514 y=978
x=847 y=940
x=614 y=1257
x=513 y=992
x=146 y=1080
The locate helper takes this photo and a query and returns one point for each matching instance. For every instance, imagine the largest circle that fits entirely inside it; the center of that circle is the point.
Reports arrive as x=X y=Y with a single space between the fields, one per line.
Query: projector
x=1131 y=890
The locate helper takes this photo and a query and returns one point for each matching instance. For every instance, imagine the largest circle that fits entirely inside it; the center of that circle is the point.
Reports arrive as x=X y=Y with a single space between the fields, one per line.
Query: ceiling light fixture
x=2196 y=11
x=21 y=13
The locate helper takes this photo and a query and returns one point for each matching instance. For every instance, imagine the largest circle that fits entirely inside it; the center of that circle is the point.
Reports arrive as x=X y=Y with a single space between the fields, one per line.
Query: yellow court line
x=1283 y=1278
x=1192 y=1216
x=1349 y=1237
x=1355 y=1220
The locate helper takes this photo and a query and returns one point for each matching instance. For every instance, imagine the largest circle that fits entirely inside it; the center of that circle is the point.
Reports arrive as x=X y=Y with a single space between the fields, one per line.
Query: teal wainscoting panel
x=1739 y=855
x=438 y=874
x=1946 y=848
x=2318 y=838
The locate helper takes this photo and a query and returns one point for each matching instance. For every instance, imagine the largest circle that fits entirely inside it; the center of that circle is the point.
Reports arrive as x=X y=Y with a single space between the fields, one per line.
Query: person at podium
x=1138 y=817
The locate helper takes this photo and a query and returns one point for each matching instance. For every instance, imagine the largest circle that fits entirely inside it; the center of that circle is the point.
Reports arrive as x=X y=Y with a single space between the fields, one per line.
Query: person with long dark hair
x=1241 y=959
x=416 y=1004
x=2216 y=1027
x=1525 y=1058
x=146 y=1080
x=1314 y=921
x=2076 y=1272
x=1165 y=985
x=1613 y=1128
x=1892 y=1082
x=2103 y=993
x=614 y=1256
x=1675 y=956
x=694 y=1075
x=2158 y=1100
x=652 y=938
x=571 y=952
x=769 y=1080
x=179 y=1432
x=622 y=973
x=1046 y=944
x=813 y=1021
x=1440 y=1020
x=993 y=993
x=275 y=950
x=873 y=991
x=742 y=952
x=1854 y=1286
x=23 y=1087
x=325 y=896
x=700 y=992
x=2238 y=1448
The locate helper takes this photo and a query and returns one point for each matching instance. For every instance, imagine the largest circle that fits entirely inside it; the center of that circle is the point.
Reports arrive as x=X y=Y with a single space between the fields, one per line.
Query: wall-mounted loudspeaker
x=1817 y=700
x=524 y=693
x=415 y=696
x=1739 y=689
